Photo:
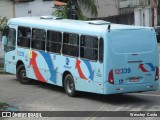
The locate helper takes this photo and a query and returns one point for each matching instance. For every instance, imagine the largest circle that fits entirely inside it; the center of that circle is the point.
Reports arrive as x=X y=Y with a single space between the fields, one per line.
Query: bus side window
x=71 y=44
x=101 y=50
x=11 y=40
x=54 y=39
x=89 y=47
x=24 y=36
x=38 y=39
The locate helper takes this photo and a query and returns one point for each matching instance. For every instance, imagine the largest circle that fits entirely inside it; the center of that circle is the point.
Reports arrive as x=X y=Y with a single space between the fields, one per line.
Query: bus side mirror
x=4 y=35
x=4 y=40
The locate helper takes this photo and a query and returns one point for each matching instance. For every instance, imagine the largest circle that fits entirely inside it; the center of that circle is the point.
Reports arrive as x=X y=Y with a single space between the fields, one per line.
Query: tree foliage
x=89 y=5
x=61 y=11
x=3 y=23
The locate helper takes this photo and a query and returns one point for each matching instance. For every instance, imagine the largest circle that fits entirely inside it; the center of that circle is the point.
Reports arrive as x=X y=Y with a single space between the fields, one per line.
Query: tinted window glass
x=89 y=47
x=11 y=37
x=11 y=40
x=54 y=39
x=71 y=44
x=38 y=39
x=24 y=36
x=101 y=49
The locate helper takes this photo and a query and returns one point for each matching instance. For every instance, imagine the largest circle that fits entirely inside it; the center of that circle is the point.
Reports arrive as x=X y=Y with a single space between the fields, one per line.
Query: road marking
x=96 y=113
x=152 y=95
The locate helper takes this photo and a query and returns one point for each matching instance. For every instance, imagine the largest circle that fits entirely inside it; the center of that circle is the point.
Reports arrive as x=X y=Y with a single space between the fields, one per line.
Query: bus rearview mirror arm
x=5 y=31
x=5 y=35
x=109 y=28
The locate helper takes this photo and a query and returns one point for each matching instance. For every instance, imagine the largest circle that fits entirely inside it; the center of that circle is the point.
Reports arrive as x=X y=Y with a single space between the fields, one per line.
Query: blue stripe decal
x=90 y=69
x=50 y=65
x=151 y=65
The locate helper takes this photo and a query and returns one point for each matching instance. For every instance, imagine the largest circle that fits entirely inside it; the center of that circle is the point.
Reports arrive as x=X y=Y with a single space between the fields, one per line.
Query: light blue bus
x=92 y=56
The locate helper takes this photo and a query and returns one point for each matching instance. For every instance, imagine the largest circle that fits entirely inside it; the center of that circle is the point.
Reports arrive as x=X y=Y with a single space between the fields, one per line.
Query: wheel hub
x=70 y=86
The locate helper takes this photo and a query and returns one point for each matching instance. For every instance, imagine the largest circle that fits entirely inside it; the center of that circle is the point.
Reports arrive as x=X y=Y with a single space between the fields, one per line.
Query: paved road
x=44 y=97
x=41 y=96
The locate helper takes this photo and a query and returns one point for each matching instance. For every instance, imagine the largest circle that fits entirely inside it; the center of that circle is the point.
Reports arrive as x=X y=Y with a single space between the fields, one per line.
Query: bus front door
x=9 y=48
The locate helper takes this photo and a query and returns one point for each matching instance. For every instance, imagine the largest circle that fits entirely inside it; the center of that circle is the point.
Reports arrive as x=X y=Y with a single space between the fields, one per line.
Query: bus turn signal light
x=110 y=77
x=157 y=74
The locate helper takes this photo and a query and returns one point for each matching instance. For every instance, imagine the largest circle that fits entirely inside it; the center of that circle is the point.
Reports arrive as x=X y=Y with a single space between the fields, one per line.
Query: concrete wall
x=6 y=9
x=35 y=8
x=143 y=16
x=105 y=8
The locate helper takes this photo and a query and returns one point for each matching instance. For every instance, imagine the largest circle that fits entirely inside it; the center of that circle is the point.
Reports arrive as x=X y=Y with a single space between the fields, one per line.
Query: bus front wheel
x=69 y=85
x=21 y=75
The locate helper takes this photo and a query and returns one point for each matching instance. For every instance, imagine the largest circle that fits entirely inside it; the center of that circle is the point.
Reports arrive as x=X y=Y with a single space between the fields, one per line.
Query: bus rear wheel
x=21 y=75
x=69 y=85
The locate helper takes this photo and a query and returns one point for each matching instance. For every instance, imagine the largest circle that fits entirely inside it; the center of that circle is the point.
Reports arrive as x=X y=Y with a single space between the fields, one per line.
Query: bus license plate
x=134 y=79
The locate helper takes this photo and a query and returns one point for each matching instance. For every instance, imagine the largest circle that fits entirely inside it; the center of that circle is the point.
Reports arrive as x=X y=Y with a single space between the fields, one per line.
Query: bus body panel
x=114 y=89
x=133 y=63
x=46 y=67
x=133 y=59
x=10 y=55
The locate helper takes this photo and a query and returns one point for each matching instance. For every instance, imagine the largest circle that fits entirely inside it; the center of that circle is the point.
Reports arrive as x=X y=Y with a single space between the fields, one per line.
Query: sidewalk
x=1 y=53
x=1 y=49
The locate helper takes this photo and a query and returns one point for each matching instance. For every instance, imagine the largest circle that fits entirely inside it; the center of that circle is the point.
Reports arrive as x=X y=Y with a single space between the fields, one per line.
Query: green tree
x=89 y=5
x=3 y=23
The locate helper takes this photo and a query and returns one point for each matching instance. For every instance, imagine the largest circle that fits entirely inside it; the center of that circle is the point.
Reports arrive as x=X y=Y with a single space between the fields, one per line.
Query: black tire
x=69 y=85
x=21 y=75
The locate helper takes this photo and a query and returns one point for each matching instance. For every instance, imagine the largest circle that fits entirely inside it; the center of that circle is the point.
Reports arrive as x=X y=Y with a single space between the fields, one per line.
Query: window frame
x=60 y=52
x=8 y=48
x=71 y=44
x=100 y=39
x=38 y=39
x=89 y=47
x=25 y=37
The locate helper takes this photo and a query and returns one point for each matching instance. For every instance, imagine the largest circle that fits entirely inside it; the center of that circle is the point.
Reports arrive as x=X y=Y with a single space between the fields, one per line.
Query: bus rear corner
x=116 y=89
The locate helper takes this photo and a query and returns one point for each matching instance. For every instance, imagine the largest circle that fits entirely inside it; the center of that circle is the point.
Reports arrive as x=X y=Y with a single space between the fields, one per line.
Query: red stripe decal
x=79 y=69
x=35 y=67
x=142 y=68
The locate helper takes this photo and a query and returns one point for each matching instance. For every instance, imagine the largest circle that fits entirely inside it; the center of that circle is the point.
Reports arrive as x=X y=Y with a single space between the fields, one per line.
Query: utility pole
x=158 y=12
x=14 y=11
x=72 y=9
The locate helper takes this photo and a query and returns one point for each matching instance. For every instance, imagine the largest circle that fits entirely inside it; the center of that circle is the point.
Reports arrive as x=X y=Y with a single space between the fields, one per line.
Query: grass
x=2 y=105
x=6 y=107
x=2 y=71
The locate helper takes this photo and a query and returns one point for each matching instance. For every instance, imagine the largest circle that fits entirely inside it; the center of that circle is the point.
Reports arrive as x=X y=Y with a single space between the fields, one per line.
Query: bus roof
x=67 y=25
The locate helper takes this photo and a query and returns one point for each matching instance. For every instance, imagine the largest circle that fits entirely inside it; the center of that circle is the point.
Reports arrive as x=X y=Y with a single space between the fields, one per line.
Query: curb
x=1 y=70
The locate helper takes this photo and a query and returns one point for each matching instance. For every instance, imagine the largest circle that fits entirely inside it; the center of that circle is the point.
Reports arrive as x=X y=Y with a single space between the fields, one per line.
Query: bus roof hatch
x=50 y=17
x=98 y=22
